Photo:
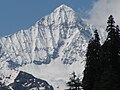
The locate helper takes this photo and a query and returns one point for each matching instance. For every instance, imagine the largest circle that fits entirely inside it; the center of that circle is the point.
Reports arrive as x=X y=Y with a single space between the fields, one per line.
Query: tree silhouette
x=110 y=59
x=74 y=83
x=92 y=62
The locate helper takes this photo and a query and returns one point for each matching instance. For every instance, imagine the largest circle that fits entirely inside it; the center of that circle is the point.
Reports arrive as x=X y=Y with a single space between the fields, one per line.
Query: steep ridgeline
x=61 y=34
x=26 y=81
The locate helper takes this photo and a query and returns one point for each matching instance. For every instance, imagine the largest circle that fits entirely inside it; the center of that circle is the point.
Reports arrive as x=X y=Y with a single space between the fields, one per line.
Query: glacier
x=51 y=49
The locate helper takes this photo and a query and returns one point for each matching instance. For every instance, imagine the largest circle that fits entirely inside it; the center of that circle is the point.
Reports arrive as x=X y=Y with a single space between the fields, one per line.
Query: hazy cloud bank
x=102 y=9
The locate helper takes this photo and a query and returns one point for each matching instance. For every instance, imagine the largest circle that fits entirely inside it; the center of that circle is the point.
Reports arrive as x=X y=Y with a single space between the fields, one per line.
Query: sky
x=16 y=15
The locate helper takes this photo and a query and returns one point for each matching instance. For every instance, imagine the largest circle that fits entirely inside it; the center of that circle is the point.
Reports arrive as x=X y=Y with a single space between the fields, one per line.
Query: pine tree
x=111 y=46
x=74 y=83
x=92 y=63
x=110 y=63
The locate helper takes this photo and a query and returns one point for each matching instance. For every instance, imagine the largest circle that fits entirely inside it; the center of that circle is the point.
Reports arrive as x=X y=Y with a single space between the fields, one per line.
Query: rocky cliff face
x=26 y=81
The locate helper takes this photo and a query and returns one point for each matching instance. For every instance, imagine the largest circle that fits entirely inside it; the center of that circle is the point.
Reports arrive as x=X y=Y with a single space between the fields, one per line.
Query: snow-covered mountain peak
x=58 y=39
x=62 y=15
x=64 y=7
x=53 y=35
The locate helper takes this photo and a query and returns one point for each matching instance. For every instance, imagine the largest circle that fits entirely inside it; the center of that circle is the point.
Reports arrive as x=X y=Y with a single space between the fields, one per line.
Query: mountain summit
x=65 y=14
x=47 y=40
x=61 y=36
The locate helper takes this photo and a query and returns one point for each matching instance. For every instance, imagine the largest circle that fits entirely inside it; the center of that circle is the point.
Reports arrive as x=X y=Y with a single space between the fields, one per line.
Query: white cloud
x=101 y=11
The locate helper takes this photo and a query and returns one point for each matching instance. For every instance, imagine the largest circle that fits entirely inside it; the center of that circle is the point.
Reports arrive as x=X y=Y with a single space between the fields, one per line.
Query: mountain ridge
x=56 y=43
x=39 y=39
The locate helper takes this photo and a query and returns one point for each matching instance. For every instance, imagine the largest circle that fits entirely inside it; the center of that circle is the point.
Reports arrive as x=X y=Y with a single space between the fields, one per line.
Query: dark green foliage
x=92 y=63
x=102 y=71
x=109 y=81
x=74 y=83
x=110 y=23
x=110 y=59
